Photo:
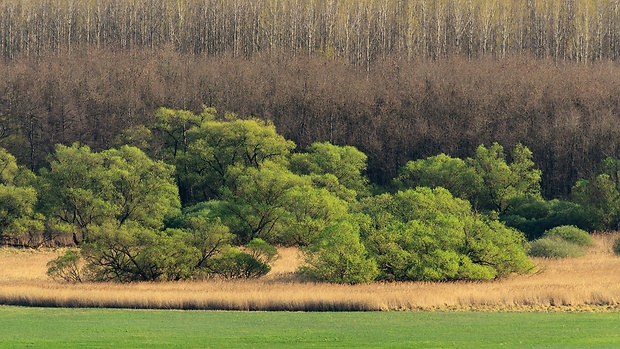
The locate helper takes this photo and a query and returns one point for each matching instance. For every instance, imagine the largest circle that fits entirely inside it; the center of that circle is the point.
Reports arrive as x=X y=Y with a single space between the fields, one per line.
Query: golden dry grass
x=581 y=284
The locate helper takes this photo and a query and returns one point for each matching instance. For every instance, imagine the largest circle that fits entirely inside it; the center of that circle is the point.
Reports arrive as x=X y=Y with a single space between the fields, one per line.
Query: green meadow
x=116 y=328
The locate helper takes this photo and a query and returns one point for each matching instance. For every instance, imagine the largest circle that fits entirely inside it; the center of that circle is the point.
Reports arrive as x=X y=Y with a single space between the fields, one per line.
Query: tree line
x=195 y=196
x=360 y=31
x=201 y=195
x=565 y=113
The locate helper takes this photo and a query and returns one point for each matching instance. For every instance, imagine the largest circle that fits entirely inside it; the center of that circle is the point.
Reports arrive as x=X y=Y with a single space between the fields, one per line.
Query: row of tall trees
x=567 y=114
x=358 y=30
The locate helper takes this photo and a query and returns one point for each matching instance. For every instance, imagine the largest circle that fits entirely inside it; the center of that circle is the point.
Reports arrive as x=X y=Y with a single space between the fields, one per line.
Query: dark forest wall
x=566 y=113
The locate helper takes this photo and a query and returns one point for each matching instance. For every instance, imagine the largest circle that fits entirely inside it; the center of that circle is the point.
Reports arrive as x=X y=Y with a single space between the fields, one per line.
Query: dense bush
x=338 y=255
x=253 y=262
x=535 y=215
x=561 y=242
x=571 y=234
x=555 y=247
x=426 y=234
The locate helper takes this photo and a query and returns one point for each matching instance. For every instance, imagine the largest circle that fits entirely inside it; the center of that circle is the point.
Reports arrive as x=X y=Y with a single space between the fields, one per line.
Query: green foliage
x=427 y=234
x=554 y=247
x=215 y=147
x=534 y=215
x=257 y=200
x=600 y=199
x=20 y=224
x=561 y=242
x=84 y=189
x=67 y=267
x=488 y=181
x=8 y=167
x=503 y=181
x=337 y=255
x=202 y=230
x=571 y=234
x=18 y=218
x=254 y=261
x=346 y=163
x=440 y=171
x=309 y=210
x=131 y=252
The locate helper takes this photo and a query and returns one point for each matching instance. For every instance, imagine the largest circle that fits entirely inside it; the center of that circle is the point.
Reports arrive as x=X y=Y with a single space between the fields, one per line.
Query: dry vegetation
x=586 y=283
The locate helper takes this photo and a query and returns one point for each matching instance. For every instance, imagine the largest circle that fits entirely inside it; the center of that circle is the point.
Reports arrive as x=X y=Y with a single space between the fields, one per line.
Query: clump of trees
x=202 y=195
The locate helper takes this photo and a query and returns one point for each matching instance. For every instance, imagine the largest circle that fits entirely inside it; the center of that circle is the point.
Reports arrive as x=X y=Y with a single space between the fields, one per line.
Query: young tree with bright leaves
x=503 y=180
x=346 y=163
x=82 y=189
x=202 y=149
x=489 y=180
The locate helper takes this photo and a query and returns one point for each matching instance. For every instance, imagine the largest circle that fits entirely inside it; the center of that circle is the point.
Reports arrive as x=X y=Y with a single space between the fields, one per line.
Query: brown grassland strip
x=589 y=283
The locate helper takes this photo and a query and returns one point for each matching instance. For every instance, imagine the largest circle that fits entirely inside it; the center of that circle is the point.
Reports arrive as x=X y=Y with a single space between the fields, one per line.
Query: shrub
x=236 y=264
x=555 y=247
x=571 y=234
x=534 y=215
x=338 y=256
x=66 y=267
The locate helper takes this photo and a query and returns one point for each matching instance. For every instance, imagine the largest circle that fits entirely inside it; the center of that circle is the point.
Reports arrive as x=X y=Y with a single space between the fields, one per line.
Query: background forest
x=415 y=86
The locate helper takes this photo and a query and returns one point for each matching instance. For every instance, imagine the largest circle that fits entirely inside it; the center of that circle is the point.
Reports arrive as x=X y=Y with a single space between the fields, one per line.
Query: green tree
x=441 y=170
x=309 y=210
x=489 y=181
x=83 y=189
x=427 y=234
x=20 y=223
x=600 y=199
x=503 y=180
x=216 y=146
x=337 y=255
x=131 y=252
x=204 y=231
x=257 y=200
x=346 y=163
x=8 y=167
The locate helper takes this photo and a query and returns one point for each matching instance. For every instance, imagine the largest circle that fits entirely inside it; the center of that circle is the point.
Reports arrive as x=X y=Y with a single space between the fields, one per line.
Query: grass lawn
x=115 y=328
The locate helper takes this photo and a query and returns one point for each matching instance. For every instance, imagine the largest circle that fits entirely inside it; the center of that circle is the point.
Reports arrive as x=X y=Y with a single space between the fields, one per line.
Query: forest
x=494 y=121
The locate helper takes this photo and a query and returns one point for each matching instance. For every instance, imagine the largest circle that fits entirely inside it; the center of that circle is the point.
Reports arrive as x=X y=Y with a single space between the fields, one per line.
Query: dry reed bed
x=589 y=283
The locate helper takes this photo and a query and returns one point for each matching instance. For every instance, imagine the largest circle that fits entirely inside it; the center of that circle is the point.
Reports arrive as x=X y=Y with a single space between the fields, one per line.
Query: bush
x=571 y=234
x=555 y=247
x=338 y=256
x=533 y=215
x=236 y=264
x=66 y=267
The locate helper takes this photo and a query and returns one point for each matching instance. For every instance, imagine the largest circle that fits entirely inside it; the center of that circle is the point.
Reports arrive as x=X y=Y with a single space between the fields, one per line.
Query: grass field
x=589 y=283
x=115 y=328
